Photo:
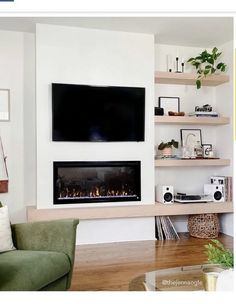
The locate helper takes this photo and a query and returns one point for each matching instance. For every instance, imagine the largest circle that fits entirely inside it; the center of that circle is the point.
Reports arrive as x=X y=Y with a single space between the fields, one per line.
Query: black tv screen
x=97 y=113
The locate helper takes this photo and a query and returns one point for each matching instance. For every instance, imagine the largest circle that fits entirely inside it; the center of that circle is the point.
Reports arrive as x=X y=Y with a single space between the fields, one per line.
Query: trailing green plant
x=218 y=254
x=168 y=144
x=206 y=64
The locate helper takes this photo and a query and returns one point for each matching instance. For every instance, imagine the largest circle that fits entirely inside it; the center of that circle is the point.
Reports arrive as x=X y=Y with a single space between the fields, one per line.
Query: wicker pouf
x=204 y=226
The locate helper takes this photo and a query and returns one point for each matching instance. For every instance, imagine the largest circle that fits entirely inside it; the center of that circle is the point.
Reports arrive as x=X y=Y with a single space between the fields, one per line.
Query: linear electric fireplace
x=96 y=181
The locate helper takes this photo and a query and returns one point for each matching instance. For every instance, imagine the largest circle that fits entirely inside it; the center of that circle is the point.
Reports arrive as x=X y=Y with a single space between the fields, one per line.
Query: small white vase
x=225 y=280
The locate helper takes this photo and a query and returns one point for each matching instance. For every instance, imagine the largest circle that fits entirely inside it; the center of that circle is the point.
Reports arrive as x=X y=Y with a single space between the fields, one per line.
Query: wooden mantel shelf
x=189 y=79
x=150 y=210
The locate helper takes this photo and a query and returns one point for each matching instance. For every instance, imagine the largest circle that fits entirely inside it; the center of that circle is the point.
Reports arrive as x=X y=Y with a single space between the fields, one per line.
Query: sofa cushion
x=26 y=270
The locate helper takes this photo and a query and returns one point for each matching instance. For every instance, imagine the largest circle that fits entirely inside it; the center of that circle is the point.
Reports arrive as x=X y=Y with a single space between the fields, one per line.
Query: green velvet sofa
x=43 y=259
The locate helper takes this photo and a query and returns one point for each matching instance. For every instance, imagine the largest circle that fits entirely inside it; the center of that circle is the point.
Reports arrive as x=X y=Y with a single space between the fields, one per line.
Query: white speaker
x=165 y=194
x=215 y=191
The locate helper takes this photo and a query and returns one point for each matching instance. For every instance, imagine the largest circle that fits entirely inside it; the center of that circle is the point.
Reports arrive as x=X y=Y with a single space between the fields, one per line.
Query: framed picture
x=190 y=137
x=207 y=148
x=4 y=104
x=169 y=104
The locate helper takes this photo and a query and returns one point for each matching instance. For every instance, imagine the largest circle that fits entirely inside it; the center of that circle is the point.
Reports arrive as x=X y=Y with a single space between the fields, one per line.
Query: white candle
x=177 y=53
x=169 y=63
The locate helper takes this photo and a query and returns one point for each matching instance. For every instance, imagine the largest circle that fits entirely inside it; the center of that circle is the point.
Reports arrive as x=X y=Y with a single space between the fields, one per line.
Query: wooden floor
x=110 y=267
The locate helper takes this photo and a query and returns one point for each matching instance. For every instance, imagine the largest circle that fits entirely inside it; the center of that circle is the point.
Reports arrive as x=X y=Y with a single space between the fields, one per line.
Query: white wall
x=17 y=72
x=85 y=56
x=29 y=121
x=192 y=179
x=225 y=135
x=12 y=133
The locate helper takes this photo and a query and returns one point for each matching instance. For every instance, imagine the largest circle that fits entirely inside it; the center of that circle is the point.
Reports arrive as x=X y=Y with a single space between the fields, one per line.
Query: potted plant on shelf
x=207 y=64
x=166 y=147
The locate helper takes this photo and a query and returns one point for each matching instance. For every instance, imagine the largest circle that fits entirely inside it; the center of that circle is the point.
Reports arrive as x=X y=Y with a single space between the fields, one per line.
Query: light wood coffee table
x=186 y=278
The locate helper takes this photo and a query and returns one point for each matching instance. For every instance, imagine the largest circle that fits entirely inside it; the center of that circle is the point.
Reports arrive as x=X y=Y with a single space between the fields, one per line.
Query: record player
x=192 y=198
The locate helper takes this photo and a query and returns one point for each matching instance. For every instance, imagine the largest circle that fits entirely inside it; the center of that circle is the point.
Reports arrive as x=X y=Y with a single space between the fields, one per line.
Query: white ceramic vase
x=225 y=280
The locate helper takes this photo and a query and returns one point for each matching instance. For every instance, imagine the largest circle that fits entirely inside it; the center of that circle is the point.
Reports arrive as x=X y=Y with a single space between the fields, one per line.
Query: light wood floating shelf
x=189 y=79
x=194 y=208
x=158 y=209
x=191 y=162
x=186 y=120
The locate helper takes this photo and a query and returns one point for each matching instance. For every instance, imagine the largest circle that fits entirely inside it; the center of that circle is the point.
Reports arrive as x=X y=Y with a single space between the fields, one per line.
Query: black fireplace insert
x=96 y=181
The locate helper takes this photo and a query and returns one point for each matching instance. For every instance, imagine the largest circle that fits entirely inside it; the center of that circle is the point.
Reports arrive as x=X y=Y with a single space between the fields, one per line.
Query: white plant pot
x=167 y=152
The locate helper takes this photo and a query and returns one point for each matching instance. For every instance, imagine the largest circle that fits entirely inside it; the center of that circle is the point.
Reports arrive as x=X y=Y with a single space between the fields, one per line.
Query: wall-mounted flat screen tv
x=87 y=113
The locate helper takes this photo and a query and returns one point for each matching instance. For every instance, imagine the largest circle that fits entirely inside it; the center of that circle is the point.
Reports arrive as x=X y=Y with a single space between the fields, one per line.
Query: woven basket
x=204 y=226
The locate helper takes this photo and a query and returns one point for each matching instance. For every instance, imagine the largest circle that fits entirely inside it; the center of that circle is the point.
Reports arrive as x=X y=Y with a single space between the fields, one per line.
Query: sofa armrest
x=57 y=235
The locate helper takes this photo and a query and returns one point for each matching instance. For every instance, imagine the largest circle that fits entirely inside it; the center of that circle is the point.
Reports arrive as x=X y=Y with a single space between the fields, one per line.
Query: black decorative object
x=159 y=111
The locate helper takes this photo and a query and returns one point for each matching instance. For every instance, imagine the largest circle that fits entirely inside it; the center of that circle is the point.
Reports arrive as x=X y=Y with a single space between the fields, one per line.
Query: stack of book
x=227 y=182
x=204 y=114
x=165 y=229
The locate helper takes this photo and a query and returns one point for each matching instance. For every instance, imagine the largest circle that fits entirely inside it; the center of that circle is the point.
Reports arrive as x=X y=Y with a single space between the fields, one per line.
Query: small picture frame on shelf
x=169 y=104
x=190 y=137
x=207 y=150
